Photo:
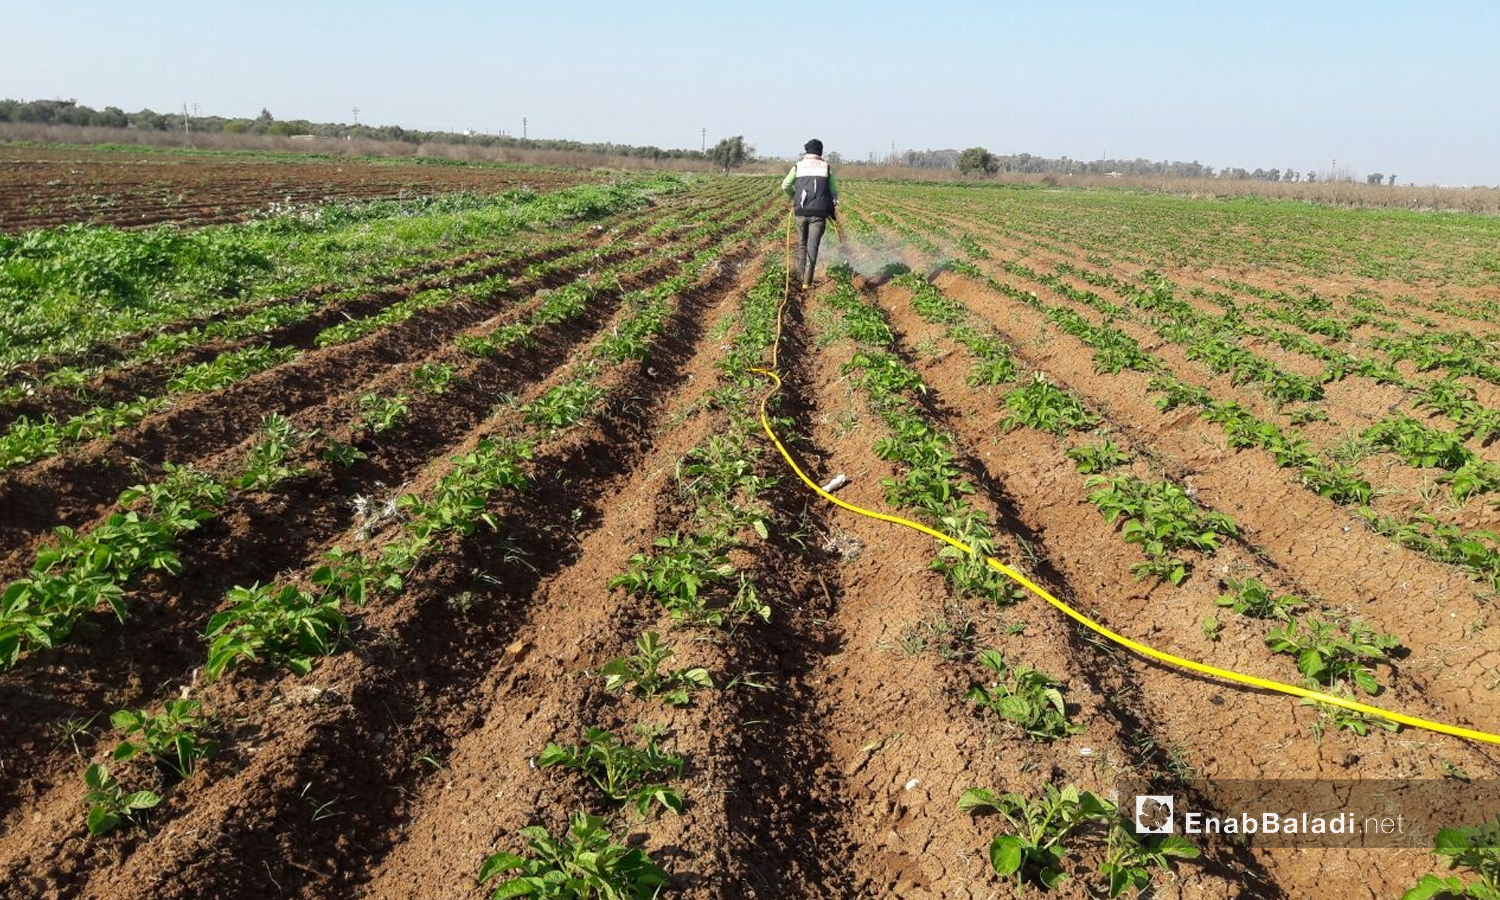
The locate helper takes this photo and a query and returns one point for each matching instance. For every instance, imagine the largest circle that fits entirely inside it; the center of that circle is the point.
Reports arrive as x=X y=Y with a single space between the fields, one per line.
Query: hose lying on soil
x=1020 y=579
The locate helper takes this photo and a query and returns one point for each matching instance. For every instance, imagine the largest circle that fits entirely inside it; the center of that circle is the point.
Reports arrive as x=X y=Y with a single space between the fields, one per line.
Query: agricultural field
x=130 y=187
x=433 y=547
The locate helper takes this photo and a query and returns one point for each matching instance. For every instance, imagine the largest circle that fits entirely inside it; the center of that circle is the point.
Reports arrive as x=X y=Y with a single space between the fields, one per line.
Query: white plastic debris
x=913 y=783
x=836 y=482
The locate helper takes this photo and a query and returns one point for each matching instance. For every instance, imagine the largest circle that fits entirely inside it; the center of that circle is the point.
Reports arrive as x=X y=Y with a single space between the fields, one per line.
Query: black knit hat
x=813 y=146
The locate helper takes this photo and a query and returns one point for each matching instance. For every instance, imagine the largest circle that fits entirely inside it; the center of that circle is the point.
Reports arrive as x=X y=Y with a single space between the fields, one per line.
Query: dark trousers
x=809 y=235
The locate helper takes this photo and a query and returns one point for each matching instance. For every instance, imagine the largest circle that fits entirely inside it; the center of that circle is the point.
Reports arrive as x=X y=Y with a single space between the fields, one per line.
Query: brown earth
x=830 y=760
x=45 y=187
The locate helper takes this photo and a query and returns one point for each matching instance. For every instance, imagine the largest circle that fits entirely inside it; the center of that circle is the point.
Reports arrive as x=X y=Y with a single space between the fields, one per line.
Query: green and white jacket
x=811 y=186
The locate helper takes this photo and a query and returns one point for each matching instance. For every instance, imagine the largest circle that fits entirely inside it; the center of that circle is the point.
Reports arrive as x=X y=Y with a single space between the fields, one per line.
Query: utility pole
x=703 y=144
x=525 y=128
x=356 y=115
x=186 y=137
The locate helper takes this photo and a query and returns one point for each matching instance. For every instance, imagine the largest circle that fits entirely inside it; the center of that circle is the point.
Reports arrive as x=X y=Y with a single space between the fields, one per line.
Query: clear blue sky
x=1411 y=88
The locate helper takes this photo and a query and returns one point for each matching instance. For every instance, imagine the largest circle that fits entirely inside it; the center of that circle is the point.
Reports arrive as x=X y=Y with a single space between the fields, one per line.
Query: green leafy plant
x=970 y=573
x=1418 y=444
x=85 y=572
x=1332 y=655
x=229 y=368
x=285 y=625
x=564 y=404
x=1162 y=518
x=1250 y=597
x=351 y=578
x=1042 y=405
x=1045 y=830
x=1033 y=851
x=1091 y=459
x=642 y=675
x=1338 y=482
x=382 y=414
x=432 y=378
x=342 y=454
x=676 y=573
x=630 y=774
x=584 y=864
x=266 y=465
x=1473 y=847
x=108 y=803
x=1025 y=696
x=174 y=737
x=1130 y=860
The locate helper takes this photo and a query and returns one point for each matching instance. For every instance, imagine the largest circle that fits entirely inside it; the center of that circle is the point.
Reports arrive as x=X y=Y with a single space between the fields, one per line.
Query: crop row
x=291 y=624
x=26 y=441
x=1476 y=551
x=41 y=608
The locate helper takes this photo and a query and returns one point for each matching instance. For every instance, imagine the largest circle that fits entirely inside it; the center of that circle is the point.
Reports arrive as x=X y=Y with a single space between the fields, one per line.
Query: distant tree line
x=978 y=160
x=69 y=112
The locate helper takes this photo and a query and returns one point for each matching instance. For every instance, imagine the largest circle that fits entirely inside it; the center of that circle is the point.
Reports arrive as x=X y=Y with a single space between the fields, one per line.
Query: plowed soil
x=829 y=761
x=44 y=187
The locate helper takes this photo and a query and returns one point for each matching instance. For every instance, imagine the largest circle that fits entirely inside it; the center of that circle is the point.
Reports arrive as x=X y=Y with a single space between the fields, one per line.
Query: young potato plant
x=266 y=466
x=676 y=572
x=229 y=368
x=432 y=378
x=1338 y=482
x=583 y=864
x=1334 y=655
x=460 y=501
x=1044 y=406
x=1477 y=551
x=629 y=774
x=1419 y=445
x=969 y=573
x=1044 y=831
x=641 y=674
x=1162 y=518
x=993 y=362
x=85 y=572
x=1029 y=698
x=285 y=625
x=1092 y=459
x=381 y=414
x=1473 y=847
x=1252 y=598
x=26 y=441
x=1131 y=860
x=565 y=404
x=108 y=803
x=342 y=454
x=173 y=738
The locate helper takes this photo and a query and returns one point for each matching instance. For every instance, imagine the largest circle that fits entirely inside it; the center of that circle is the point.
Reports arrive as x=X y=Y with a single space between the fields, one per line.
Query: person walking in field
x=815 y=199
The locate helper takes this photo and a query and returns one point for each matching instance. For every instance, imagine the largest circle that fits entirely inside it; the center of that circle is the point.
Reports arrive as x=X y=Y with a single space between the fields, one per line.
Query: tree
x=977 y=160
x=1311 y=176
x=729 y=153
x=1375 y=178
x=1391 y=182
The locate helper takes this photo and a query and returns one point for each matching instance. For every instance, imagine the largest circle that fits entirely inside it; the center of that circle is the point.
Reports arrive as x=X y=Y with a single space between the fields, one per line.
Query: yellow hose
x=1070 y=612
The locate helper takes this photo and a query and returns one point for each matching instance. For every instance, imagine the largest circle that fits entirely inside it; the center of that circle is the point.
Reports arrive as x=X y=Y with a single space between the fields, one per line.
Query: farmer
x=815 y=199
